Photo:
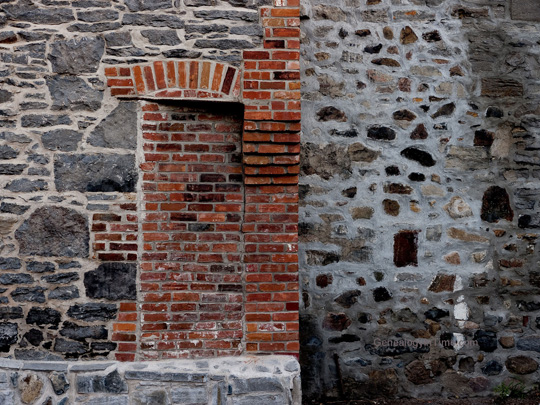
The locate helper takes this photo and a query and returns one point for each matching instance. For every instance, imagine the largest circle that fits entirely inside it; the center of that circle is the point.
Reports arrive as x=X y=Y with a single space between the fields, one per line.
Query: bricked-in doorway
x=191 y=270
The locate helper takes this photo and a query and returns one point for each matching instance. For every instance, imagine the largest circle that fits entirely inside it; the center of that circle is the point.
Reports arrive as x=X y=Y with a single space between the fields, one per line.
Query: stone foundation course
x=268 y=380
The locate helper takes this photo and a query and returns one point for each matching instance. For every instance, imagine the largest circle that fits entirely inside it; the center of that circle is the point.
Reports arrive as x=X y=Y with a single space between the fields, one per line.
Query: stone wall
x=419 y=197
x=273 y=380
x=138 y=219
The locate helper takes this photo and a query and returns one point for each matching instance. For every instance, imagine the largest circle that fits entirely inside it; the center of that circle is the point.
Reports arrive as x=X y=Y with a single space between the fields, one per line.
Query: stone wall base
x=268 y=380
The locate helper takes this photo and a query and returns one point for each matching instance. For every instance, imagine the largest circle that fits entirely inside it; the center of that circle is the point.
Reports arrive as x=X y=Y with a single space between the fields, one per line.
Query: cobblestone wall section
x=419 y=182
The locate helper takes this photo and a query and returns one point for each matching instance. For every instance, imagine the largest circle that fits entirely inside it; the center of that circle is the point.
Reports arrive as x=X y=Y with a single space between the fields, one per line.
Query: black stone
x=78 y=332
x=348 y=133
x=381 y=133
x=348 y=298
x=95 y=173
x=224 y=43
x=397 y=349
x=153 y=20
x=43 y=316
x=494 y=112
x=496 y=205
x=54 y=231
x=11 y=170
x=38 y=15
x=419 y=132
x=349 y=192
x=445 y=111
x=145 y=5
x=492 y=367
x=93 y=312
x=7 y=313
x=381 y=294
x=34 y=337
x=97 y=15
x=112 y=281
x=487 y=340
x=161 y=37
x=432 y=36
x=436 y=314
x=28 y=294
x=373 y=49
x=61 y=278
x=529 y=306
x=5 y=96
x=420 y=156
x=529 y=343
x=483 y=138
x=417 y=177
x=103 y=346
x=8 y=335
x=364 y=317
x=392 y=171
x=77 y=56
x=250 y=16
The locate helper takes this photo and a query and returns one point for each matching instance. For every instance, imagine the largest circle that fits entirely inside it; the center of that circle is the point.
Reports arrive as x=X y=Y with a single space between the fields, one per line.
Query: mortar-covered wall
x=122 y=219
x=419 y=197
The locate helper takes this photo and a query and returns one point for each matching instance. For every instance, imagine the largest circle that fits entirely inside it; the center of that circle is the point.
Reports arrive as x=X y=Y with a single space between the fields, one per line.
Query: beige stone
x=30 y=388
x=458 y=208
x=460 y=234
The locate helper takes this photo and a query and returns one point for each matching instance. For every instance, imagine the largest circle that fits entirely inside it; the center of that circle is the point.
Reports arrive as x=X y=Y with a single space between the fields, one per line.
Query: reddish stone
x=406 y=248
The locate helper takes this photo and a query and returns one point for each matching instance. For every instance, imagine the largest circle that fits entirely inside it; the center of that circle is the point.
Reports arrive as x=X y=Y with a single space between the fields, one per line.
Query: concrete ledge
x=265 y=380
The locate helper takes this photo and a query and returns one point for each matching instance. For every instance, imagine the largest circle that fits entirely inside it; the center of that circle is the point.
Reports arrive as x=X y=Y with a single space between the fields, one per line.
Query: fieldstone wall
x=419 y=197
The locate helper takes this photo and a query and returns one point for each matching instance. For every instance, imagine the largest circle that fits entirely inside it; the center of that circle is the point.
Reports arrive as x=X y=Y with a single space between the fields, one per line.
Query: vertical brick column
x=271 y=146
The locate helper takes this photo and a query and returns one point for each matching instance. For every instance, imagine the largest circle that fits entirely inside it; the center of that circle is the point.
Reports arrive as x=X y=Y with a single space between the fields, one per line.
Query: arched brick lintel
x=185 y=80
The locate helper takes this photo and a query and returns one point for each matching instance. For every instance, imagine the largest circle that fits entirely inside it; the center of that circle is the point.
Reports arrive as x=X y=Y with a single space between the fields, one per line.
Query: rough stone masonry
x=419 y=197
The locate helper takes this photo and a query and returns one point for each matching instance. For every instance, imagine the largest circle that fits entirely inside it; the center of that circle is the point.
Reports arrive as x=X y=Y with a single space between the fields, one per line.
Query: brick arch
x=192 y=79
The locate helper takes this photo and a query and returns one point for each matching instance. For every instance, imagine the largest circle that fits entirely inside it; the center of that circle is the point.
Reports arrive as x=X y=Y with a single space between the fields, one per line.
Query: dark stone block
x=381 y=133
x=103 y=346
x=97 y=15
x=70 y=347
x=43 y=316
x=10 y=263
x=8 y=335
x=374 y=49
x=529 y=343
x=118 y=129
x=54 y=231
x=381 y=294
x=5 y=96
x=27 y=186
x=64 y=293
x=153 y=20
x=34 y=337
x=32 y=294
x=331 y=114
x=417 y=177
x=77 y=332
x=95 y=173
x=16 y=209
x=406 y=248
x=40 y=267
x=15 y=278
x=71 y=92
x=527 y=10
x=349 y=192
x=7 y=152
x=99 y=27
x=250 y=16
x=145 y=5
x=487 y=340
x=112 y=281
x=45 y=120
x=38 y=15
x=483 y=138
x=496 y=205
x=61 y=278
x=224 y=43
x=346 y=338
x=432 y=36
x=161 y=37
x=59 y=383
x=494 y=112
x=436 y=314
x=11 y=170
x=499 y=87
x=110 y=383
x=492 y=367
x=7 y=313
x=419 y=132
x=420 y=156
x=396 y=347
x=93 y=312
x=521 y=365
x=392 y=171
x=77 y=56
x=404 y=115
x=443 y=282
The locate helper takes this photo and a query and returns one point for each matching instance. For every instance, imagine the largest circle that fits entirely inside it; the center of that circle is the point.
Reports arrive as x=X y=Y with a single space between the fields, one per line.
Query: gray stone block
x=107 y=400
x=112 y=281
x=147 y=396
x=165 y=376
x=73 y=93
x=110 y=383
x=528 y=10
x=77 y=56
x=262 y=384
x=264 y=399
x=118 y=129
x=189 y=394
